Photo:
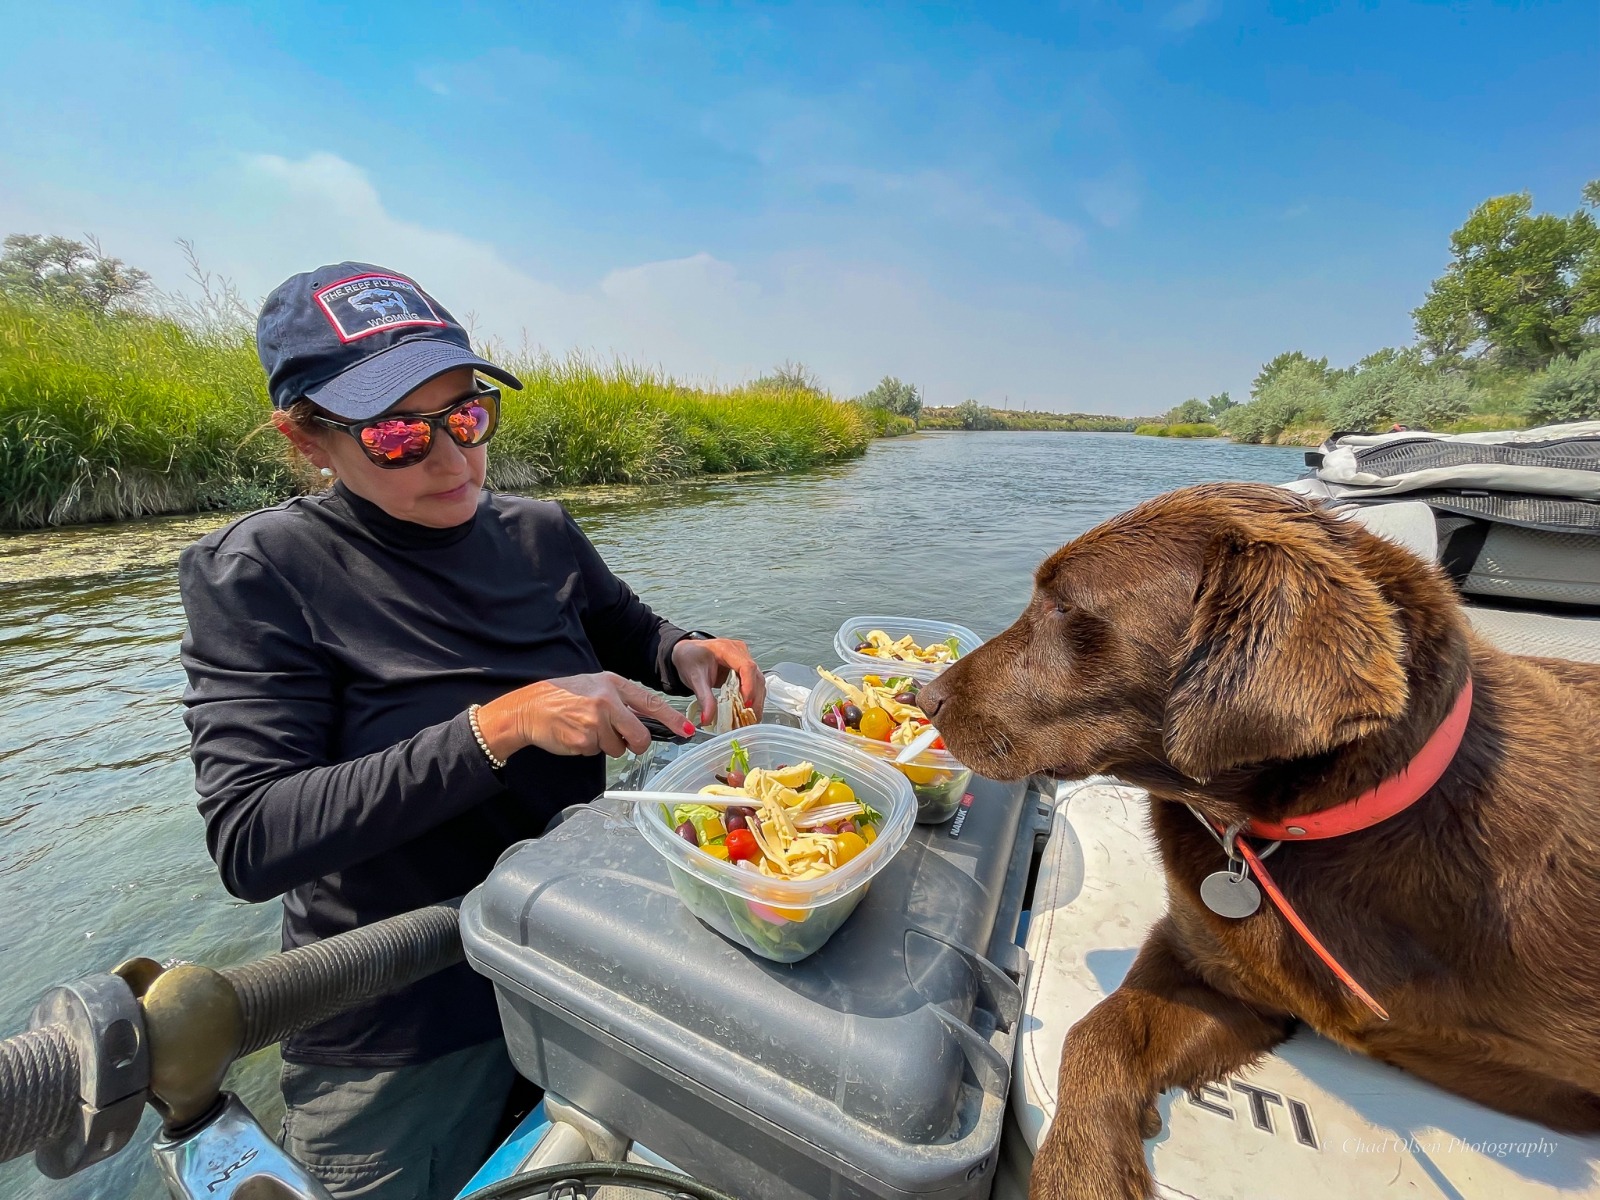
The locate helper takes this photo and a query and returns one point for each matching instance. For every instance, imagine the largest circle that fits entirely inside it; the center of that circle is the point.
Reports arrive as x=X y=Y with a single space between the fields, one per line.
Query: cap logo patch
x=366 y=304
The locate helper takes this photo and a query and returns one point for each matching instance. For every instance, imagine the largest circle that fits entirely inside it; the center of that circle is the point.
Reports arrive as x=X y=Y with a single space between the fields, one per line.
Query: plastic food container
x=780 y=919
x=924 y=632
x=937 y=779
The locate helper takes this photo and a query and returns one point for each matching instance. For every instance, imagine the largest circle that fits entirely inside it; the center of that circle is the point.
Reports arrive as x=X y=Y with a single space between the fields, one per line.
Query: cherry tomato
x=849 y=845
x=876 y=724
x=742 y=846
x=839 y=792
x=936 y=744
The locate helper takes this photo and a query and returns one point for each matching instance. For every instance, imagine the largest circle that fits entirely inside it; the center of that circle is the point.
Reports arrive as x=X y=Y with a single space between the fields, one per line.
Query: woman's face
x=440 y=491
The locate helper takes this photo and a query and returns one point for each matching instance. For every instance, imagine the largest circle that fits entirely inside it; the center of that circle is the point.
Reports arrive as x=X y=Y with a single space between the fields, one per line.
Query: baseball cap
x=356 y=338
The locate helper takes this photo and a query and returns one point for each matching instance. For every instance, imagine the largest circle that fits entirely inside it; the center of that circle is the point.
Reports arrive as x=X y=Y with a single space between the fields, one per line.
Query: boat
x=916 y=1054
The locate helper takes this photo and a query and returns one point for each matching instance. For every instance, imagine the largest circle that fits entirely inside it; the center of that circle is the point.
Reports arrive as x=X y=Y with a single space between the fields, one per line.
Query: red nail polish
x=688 y=729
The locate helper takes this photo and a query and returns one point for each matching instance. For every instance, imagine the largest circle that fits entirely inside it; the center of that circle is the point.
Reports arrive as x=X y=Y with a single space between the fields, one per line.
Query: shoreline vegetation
x=117 y=403
x=126 y=413
x=1507 y=337
x=974 y=417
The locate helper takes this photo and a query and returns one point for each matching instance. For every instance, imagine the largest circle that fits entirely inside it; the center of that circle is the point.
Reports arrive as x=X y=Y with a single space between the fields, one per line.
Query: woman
x=390 y=683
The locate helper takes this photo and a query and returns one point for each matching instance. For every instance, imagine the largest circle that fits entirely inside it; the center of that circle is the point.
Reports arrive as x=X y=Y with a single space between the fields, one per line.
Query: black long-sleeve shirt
x=332 y=652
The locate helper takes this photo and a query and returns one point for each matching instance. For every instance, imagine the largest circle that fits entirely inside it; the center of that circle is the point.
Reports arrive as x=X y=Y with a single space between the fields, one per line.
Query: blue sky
x=1099 y=206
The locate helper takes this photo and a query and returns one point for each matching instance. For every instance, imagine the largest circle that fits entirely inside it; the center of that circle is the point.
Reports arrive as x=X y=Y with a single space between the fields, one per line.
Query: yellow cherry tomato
x=793 y=914
x=868 y=834
x=849 y=845
x=839 y=792
x=876 y=724
x=920 y=776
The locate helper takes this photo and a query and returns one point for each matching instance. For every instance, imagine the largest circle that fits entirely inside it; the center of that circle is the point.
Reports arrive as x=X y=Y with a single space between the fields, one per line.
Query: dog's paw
x=1076 y=1165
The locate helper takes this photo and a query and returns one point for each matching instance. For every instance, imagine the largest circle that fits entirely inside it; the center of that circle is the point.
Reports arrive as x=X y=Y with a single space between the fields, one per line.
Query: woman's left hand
x=703 y=665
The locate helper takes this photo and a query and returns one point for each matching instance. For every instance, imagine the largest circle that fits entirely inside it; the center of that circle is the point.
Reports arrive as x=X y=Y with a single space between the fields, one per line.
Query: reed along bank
x=109 y=417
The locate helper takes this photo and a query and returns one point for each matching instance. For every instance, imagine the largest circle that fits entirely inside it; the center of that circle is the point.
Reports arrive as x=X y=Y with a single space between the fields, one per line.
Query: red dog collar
x=1394 y=795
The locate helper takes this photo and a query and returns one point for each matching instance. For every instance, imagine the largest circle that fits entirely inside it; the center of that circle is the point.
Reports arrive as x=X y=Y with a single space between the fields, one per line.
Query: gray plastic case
x=878 y=1067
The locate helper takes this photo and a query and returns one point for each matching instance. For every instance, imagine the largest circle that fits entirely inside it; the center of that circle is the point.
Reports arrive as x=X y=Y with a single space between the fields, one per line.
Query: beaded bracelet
x=472 y=719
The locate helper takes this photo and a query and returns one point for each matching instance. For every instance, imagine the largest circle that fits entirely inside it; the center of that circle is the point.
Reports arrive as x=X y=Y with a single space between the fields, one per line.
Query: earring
x=327 y=472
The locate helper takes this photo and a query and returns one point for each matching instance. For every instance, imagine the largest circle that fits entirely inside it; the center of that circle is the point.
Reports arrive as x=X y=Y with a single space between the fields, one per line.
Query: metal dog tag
x=1230 y=895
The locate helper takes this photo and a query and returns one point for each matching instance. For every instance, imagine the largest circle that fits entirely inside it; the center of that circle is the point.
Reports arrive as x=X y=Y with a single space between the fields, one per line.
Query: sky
x=1092 y=206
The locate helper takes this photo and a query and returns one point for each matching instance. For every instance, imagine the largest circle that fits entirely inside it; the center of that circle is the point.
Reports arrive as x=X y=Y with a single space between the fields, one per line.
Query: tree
x=1219 y=404
x=1569 y=390
x=1295 y=393
x=973 y=415
x=1520 y=289
x=1190 y=412
x=790 y=377
x=1284 y=362
x=894 y=396
x=58 y=270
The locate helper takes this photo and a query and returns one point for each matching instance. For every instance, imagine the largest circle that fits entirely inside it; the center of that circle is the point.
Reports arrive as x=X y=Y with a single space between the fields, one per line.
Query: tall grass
x=1198 y=429
x=580 y=421
x=133 y=415
x=126 y=415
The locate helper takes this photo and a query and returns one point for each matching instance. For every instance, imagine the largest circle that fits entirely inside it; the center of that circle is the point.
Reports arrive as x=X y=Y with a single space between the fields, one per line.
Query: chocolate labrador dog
x=1241 y=653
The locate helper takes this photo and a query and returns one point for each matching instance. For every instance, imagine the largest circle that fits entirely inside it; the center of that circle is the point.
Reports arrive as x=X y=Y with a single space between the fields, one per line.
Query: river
x=102 y=854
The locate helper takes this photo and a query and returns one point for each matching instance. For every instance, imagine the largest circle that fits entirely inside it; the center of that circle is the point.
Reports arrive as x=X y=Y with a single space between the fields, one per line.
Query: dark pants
x=407 y=1133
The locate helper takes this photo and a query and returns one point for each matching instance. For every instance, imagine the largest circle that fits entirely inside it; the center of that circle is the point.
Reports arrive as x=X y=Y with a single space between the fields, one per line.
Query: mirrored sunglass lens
x=470 y=424
x=397 y=442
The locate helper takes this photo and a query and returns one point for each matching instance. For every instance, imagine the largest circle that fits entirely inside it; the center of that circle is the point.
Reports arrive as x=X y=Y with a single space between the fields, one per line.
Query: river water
x=102 y=854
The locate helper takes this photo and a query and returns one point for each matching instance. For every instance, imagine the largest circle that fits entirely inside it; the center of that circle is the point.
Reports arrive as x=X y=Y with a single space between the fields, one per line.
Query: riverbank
x=1200 y=429
x=133 y=415
x=974 y=418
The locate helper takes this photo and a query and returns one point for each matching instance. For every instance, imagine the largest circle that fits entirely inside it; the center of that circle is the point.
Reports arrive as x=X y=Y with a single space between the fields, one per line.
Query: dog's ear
x=1292 y=650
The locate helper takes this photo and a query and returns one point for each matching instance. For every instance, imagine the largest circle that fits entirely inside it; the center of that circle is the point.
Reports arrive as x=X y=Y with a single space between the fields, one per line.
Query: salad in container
x=874 y=710
x=785 y=834
x=903 y=645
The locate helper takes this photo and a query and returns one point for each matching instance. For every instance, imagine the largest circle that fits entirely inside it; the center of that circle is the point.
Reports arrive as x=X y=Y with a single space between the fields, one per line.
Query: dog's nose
x=929 y=698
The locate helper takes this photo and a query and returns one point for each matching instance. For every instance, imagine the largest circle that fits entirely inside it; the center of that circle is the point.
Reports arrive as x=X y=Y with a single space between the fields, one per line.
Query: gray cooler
x=878 y=1067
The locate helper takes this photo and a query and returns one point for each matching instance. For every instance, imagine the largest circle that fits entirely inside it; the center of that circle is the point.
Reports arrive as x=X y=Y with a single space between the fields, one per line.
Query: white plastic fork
x=678 y=798
x=917 y=745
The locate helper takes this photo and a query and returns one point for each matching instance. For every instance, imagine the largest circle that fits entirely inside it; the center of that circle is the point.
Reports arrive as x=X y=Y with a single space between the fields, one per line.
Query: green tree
x=973 y=415
x=1190 y=412
x=790 y=377
x=1373 y=395
x=1219 y=404
x=894 y=396
x=1569 y=390
x=1296 y=392
x=1521 y=288
x=58 y=270
x=1294 y=359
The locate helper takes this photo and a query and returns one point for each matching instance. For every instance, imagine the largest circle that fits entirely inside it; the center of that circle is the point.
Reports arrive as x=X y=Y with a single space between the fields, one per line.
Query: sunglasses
x=404 y=439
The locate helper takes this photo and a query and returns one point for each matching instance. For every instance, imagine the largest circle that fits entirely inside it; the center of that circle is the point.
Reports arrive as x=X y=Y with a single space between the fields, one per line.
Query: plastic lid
x=874 y=782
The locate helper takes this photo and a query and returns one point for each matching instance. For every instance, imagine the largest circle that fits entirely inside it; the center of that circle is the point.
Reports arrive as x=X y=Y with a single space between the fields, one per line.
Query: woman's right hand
x=579 y=714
